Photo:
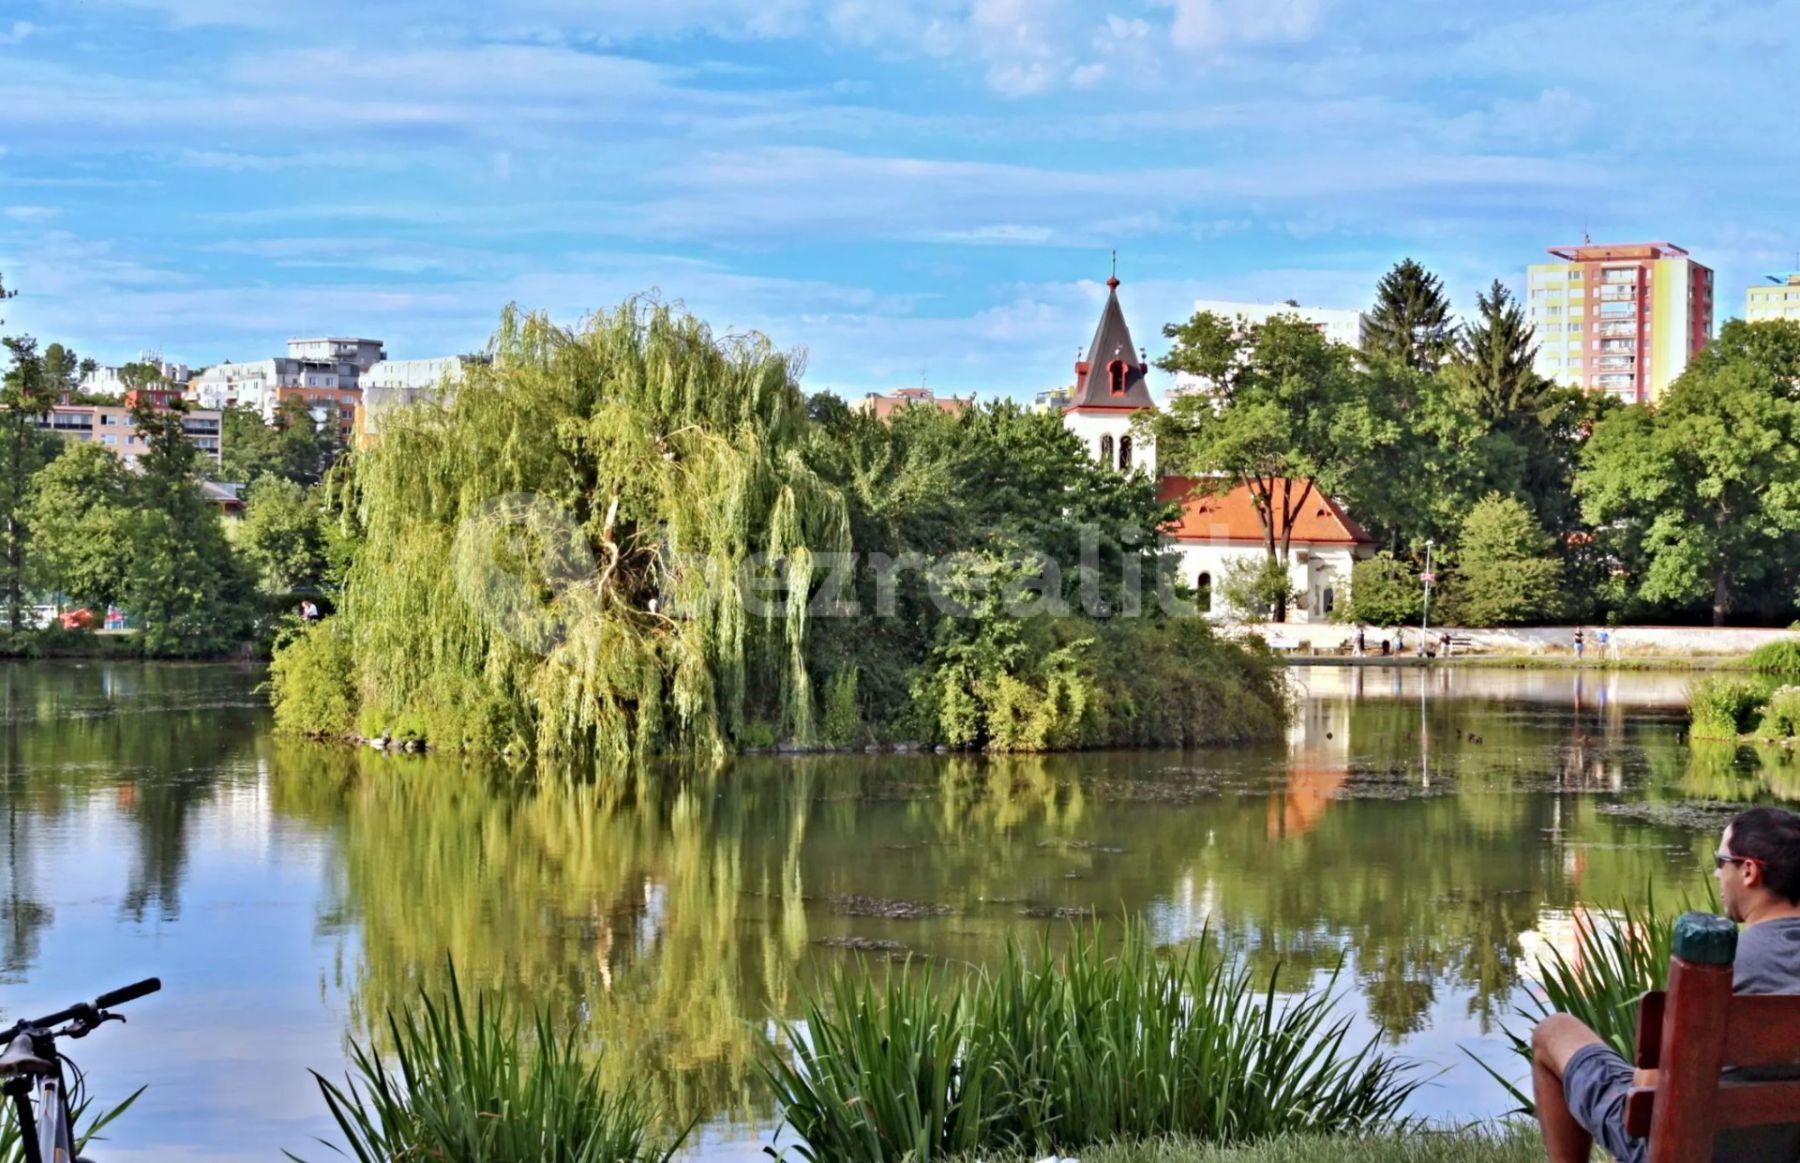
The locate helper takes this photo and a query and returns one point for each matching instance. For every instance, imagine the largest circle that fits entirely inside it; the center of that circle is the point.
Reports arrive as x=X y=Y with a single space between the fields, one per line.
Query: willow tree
x=565 y=556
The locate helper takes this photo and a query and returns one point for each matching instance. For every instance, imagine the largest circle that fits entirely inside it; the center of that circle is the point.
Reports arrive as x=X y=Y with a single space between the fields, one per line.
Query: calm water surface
x=1434 y=829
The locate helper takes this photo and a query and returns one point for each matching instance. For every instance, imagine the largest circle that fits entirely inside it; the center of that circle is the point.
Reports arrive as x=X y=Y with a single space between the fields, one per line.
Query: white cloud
x=1207 y=26
x=17 y=33
x=31 y=213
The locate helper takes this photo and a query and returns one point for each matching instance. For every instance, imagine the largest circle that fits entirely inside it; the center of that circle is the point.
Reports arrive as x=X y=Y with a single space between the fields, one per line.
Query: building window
x=1124 y=454
x=1106 y=449
x=1203 y=590
x=1115 y=373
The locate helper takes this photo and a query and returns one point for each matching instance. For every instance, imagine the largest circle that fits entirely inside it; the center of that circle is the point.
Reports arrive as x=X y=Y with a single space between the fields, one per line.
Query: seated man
x=1580 y=1083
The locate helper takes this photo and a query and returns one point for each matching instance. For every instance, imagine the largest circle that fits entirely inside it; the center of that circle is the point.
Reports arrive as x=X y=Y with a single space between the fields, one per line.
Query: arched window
x=1115 y=373
x=1124 y=454
x=1106 y=449
x=1330 y=599
x=1203 y=584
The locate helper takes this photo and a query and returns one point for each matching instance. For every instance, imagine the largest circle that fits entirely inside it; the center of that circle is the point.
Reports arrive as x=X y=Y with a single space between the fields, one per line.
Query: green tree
x=81 y=526
x=282 y=535
x=62 y=369
x=295 y=448
x=1257 y=588
x=185 y=585
x=1410 y=322
x=1493 y=361
x=1699 y=496
x=26 y=395
x=1288 y=415
x=1507 y=571
x=1384 y=591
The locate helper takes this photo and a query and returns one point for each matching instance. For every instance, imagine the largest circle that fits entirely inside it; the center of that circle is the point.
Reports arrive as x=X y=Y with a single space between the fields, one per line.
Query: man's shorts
x=1595 y=1083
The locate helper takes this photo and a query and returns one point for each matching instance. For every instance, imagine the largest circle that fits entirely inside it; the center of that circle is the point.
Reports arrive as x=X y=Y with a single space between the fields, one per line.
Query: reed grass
x=1613 y=965
x=1051 y=1052
x=87 y=1125
x=1721 y=707
x=485 y=1085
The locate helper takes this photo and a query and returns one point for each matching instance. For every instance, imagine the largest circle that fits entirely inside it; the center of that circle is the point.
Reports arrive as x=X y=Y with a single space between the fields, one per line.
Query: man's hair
x=1772 y=837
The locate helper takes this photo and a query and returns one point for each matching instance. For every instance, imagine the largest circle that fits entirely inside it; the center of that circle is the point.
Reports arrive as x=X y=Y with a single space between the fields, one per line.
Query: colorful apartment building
x=1619 y=318
x=115 y=429
x=1779 y=300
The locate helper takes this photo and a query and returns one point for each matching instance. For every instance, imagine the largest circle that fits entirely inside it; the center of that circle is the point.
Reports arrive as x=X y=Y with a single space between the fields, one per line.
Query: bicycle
x=32 y=1062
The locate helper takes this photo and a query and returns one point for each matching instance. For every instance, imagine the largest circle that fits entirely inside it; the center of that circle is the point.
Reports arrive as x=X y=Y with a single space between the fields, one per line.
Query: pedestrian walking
x=1580 y=642
x=1362 y=640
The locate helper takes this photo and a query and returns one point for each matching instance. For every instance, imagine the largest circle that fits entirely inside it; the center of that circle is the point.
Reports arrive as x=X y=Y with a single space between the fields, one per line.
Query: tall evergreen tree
x=1493 y=362
x=1411 y=318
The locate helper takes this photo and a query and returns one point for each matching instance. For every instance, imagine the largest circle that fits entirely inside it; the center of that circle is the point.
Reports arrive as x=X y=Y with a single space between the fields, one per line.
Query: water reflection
x=1431 y=826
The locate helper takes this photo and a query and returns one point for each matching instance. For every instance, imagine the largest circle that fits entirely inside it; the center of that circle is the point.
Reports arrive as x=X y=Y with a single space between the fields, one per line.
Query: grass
x=1515 y=1144
x=1060 y=1051
x=485 y=1086
x=1781 y=658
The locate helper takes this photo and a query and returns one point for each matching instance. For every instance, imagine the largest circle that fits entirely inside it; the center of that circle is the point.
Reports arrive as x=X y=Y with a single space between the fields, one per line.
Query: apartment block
x=1779 y=300
x=115 y=429
x=1620 y=318
x=324 y=372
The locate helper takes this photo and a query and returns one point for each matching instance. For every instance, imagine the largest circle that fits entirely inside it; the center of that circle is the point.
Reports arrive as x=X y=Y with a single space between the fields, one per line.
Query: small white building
x=1218 y=525
x=1218 y=528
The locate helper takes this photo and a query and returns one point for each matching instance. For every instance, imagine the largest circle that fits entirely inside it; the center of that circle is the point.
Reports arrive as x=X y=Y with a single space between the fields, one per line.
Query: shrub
x=1507 y=572
x=1255 y=588
x=1043 y=684
x=1781 y=658
x=1384 y=591
x=1781 y=717
x=485 y=1085
x=1056 y=1051
x=312 y=683
x=1722 y=707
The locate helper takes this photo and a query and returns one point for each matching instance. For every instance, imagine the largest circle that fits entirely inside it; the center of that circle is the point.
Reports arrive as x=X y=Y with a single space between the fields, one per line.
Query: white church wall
x=1320 y=574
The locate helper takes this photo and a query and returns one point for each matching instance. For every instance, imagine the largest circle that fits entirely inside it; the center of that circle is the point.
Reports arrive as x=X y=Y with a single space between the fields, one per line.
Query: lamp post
x=1425 y=614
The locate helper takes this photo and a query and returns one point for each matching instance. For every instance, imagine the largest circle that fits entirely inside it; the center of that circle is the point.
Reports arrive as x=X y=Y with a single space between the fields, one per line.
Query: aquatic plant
x=1781 y=716
x=488 y=1086
x=1724 y=707
x=1056 y=1051
x=1780 y=658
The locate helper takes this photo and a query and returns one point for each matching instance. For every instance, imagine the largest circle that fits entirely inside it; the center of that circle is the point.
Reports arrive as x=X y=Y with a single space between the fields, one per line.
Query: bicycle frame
x=48 y=1133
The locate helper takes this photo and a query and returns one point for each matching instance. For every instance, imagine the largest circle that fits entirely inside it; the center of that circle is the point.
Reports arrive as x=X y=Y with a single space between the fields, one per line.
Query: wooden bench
x=1689 y=1032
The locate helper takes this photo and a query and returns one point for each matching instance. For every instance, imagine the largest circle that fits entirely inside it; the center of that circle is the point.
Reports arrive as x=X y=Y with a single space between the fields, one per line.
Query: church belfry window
x=1115 y=375
x=1106 y=449
x=1124 y=454
x=1203 y=588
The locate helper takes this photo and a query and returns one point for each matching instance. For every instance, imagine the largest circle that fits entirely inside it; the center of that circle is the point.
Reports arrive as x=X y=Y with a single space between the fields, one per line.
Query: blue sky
x=903 y=188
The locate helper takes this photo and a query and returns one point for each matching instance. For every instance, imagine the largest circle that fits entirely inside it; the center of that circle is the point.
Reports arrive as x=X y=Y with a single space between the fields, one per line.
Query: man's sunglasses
x=1721 y=859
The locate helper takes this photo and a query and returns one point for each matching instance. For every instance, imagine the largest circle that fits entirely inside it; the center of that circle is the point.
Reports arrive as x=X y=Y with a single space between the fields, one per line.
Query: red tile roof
x=1232 y=516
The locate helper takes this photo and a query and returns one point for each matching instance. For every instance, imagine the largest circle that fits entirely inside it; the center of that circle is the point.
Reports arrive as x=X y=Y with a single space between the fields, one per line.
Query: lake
x=1431 y=831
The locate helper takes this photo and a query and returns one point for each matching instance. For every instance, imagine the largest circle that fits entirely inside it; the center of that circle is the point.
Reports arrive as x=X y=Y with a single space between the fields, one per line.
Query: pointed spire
x=1112 y=375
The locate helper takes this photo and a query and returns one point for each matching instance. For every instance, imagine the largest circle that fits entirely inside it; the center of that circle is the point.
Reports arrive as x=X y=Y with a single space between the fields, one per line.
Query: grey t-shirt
x=1768 y=958
x=1768 y=961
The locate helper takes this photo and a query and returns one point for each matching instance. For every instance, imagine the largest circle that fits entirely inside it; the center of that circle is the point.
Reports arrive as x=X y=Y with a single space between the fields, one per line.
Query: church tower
x=1110 y=390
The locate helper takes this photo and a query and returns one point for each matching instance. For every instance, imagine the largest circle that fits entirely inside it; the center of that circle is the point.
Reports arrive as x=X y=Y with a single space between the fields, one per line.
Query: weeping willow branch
x=657 y=461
